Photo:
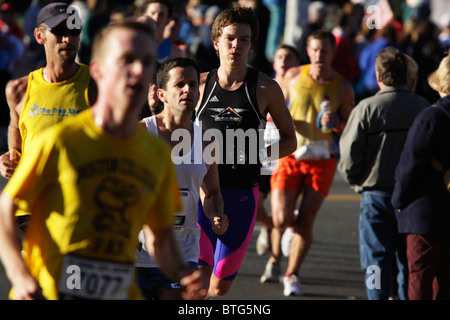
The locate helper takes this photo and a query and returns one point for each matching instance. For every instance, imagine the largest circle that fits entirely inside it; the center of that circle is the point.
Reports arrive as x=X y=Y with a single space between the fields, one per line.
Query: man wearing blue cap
x=59 y=90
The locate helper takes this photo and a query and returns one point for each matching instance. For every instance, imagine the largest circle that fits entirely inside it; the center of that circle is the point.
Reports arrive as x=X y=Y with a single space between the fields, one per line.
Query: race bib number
x=315 y=150
x=84 y=278
x=180 y=218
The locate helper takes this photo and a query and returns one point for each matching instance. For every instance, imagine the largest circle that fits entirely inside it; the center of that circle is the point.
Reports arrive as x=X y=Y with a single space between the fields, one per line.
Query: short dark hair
x=162 y=74
x=234 y=15
x=392 y=67
x=322 y=35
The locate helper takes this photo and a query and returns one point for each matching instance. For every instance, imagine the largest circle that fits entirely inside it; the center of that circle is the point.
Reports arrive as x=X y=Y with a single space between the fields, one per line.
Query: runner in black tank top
x=242 y=111
x=231 y=110
x=222 y=110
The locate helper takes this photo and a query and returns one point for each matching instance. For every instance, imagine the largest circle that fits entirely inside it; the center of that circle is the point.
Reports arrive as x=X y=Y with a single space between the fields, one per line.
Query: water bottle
x=325 y=105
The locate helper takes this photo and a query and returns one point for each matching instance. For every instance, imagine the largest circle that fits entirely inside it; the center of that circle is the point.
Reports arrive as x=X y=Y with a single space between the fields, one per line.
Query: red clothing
x=344 y=61
x=13 y=29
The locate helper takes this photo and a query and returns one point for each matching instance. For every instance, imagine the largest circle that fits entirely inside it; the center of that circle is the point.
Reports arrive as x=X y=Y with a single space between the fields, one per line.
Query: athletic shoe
x=263 y=242
x=271 y=273
x=291 y=286
x=286 y=240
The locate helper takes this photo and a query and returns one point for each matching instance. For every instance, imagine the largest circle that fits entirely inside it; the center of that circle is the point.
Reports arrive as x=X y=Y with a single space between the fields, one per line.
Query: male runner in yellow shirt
x=48 y=95
x=52 y=93
x=309 y=170
x=94 y=182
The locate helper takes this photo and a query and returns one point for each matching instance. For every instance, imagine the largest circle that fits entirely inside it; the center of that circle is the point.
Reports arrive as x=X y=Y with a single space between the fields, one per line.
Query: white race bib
x=315 y=150
x=180 y=218
x=84 y=278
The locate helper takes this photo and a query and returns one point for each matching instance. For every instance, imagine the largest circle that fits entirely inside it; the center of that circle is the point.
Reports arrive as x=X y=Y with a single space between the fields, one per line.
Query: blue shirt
x=366 y=62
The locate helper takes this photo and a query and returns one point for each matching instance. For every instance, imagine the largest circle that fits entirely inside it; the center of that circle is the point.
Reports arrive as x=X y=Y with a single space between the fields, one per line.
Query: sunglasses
x=63 y=31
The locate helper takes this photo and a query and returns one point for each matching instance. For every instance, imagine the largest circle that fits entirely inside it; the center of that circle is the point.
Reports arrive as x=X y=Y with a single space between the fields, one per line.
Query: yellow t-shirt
x=305 y=99
x=90 y=195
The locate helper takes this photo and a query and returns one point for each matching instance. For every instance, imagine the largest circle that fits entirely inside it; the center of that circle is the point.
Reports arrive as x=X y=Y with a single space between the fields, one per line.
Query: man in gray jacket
x=370 y=147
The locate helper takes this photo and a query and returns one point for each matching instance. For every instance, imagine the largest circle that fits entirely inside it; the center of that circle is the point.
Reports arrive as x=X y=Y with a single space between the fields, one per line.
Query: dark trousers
x=429 y=266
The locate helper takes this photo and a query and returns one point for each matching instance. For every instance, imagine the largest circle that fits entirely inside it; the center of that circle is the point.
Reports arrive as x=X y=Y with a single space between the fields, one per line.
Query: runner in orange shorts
x=310 y=170
x=294 y=175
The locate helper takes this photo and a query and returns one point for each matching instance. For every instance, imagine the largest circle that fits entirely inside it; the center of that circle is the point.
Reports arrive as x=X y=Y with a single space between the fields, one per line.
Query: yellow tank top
x=305 y=99
x=49 y=103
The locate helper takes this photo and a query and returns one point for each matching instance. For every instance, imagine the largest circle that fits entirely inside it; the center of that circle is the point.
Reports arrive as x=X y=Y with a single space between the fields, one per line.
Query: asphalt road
x=331 y=270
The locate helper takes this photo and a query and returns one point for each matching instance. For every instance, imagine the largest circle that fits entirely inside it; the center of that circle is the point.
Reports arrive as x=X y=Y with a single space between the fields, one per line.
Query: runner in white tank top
x=198 y=180
x=190 y=179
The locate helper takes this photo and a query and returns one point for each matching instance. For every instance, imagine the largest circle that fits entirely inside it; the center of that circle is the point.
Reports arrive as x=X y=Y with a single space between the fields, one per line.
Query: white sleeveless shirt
x=190 y=175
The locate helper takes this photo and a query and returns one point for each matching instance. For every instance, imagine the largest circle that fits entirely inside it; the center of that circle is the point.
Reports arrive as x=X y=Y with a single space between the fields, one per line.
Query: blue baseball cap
x=53 y=14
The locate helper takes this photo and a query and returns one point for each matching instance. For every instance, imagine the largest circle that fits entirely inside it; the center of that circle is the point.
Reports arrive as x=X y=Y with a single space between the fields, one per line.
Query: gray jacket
x=373 y=139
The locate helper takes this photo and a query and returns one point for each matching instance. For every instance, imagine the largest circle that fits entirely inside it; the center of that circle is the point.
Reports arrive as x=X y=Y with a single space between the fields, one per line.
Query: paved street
x=331 y=270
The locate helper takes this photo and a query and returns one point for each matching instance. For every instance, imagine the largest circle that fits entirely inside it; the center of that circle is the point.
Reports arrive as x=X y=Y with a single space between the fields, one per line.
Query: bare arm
x=25 y=286
x=15 y=96
x=162 y=243
x=271 y=95
x=212 y=200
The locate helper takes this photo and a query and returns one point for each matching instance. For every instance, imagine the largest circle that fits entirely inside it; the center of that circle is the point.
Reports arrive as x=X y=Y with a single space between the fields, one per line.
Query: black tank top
x=228 y=111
